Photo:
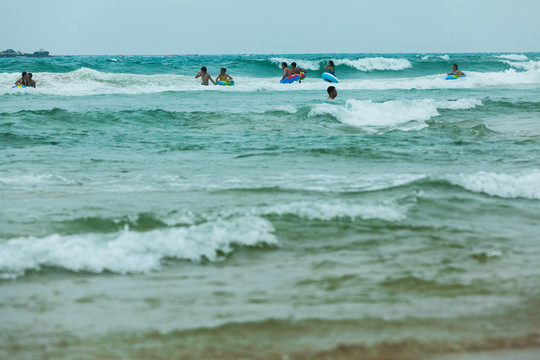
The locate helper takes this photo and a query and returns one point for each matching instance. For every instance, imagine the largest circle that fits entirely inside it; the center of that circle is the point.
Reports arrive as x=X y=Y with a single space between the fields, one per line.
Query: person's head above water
x=293 y=64
x=24 y=74
x=283 y=65
x=332 y=92
x=454 y=66
x=223 y=70
x=330 y=63
x=29 y=75
x=203 y=69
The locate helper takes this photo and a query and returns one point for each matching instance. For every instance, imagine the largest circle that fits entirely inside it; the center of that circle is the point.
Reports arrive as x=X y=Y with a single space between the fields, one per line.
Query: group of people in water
x=223 y=77
x=26 y=80
x=205 y=76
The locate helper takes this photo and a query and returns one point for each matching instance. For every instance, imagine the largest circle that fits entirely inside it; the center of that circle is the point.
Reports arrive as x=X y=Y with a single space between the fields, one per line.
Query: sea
x=144 y=216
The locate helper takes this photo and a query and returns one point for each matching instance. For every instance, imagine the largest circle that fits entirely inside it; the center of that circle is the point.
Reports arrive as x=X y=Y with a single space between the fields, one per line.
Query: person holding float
x=224 y=79
x=455 y=74
x=288 y=76
x=329 y=74
x=298 y=71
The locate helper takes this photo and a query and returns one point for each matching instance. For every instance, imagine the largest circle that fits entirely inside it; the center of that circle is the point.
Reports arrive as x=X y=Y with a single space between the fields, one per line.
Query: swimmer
x=23 y=80
x=286 y=71
x=223 y=77
x=455 y=71
x=29 y=81
x=296 y=70
x=330 y=67
x=204 y=76
x=332 y=92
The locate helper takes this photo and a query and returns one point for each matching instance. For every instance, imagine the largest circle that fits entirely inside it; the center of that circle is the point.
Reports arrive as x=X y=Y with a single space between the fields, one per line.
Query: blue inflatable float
x=226 y=83
x=293 y=78
x=329 y=77
x=454 y=77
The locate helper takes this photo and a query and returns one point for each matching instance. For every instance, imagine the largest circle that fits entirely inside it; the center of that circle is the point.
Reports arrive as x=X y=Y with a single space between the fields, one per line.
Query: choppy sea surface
x=145 y=216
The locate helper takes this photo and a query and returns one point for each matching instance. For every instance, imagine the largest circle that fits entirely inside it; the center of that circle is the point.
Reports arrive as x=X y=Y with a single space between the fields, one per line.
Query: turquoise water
x=138 y=207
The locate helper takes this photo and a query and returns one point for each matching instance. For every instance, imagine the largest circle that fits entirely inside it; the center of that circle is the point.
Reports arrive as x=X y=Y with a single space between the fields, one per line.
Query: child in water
x=330 y=67
x=223 y=77
x=455 y=71
x=204 y=76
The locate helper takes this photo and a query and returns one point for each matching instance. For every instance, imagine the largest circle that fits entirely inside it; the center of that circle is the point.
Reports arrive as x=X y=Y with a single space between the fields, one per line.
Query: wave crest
x=376 y=63
x=133 y=252
x=516 y=57
x=394 y=114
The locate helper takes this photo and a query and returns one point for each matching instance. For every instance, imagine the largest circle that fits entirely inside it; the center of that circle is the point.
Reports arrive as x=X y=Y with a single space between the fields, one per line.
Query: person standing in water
x=330 y=67
x=204 y=76
x=296 y=70
x=332 y=92
x=29 y=81
x=22 y=81
x=455 y=71
x=223 y=76
x=286 y=71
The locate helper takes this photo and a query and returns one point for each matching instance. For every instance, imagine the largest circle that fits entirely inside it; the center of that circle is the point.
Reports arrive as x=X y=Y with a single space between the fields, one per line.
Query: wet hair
x=284 y=64
x=331 y=63
x=223 y=69
x=330 y=89
x=293 y=64
x=454 y=65
x=24 y=73
x=203 y=69
x=30 y=75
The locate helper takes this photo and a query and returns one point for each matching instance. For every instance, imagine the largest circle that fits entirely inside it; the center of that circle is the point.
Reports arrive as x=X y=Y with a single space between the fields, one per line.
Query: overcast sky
x=271 y=26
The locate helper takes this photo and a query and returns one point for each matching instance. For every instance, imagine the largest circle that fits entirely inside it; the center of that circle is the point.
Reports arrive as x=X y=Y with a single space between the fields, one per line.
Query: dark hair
x=24 y=73
x=203 y=69
x=330 y=89
x=284 y=64
x=30 y=75
x=223 y=69
x=454 y=65
x=293 y=64
x=331 y=63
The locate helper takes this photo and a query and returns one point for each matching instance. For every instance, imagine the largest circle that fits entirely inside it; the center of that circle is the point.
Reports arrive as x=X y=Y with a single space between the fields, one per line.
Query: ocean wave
x=528 y=66
x=376 y=63
x=389 y=115
x=515 y=57
x=87 y=82
x=523 y=185
x=133 y=252
x=337 y=209
x=443 y=57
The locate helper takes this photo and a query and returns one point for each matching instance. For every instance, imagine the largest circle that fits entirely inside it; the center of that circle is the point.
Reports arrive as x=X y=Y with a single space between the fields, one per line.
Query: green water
x=141 y=211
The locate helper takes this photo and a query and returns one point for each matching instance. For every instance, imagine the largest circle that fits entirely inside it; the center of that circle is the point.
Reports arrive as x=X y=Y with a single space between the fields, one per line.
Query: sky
x=160 y=27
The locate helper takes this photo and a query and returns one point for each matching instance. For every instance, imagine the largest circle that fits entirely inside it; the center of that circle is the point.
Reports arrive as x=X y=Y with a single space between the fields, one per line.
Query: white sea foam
x=334 y=210
x=85 y=82
x=443 y=57
x=515 y=57
x=132 y=252
x=394 y=114
x=522 y=185
x=528 y=65
x=376 y=63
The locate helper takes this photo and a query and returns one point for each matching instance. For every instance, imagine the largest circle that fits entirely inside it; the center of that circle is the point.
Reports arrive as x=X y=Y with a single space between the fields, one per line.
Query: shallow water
x=262 y=220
